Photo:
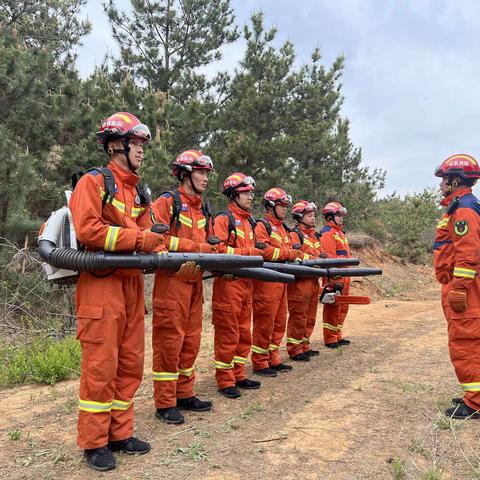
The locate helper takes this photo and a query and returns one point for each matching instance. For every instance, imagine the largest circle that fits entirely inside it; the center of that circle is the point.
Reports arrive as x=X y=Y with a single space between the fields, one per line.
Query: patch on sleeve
x=461 y=228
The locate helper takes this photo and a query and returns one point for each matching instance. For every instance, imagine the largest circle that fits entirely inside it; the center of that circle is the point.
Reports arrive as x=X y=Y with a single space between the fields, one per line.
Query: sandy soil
x=372 y=410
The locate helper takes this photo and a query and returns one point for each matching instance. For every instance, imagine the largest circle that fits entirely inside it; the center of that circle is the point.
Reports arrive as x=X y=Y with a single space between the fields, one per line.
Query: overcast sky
x=411 y=81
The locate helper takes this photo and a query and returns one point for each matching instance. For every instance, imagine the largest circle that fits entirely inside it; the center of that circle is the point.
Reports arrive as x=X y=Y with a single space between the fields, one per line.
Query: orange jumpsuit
x=232 y=302
x=110 y=308
x=334 y=244
x=303 y=298
x=270 y=299
x=457 y=261
x=177 y=304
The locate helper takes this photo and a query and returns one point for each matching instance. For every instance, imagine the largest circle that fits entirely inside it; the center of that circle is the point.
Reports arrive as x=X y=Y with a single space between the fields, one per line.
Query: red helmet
x=276 y=196
x=461 y=165
x=334 y=208
x=191 y=160
x=238 y=182
x=122 y=125
x=301 y=208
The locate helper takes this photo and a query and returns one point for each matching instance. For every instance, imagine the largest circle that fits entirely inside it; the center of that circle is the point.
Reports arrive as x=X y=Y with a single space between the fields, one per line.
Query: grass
x=445 y=423
x=196 y=452
x=14 y=434
x=44 y=360
x=432 y=474
x=398 y=468
x=252 y=410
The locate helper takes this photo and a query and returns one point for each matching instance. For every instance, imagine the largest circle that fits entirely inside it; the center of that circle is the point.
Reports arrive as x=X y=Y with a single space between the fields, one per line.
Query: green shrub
x=44 y=360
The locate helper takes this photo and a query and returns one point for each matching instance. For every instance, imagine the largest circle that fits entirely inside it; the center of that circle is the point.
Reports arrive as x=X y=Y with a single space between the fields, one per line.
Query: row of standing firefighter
x=110 y=304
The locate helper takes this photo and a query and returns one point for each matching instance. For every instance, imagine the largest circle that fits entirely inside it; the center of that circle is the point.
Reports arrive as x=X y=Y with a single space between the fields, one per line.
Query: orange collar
x=457 y=193
x=125 y=176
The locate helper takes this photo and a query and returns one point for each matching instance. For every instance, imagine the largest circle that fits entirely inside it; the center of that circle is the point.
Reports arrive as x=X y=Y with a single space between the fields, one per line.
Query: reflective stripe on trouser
x=176 y=335
x=269 y=323
x=302 y=305
x=110 y=313
x=464 y=348
x=333 y=319
x=231 y=318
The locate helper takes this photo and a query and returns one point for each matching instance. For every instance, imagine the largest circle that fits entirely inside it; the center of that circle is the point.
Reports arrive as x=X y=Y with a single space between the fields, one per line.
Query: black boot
x=170 y=415
x=100 y=459
x=230 y=392
x=266 y=372
x=457 y=400
x=312 y=353
x=332 y=345
x=194 y=404
x=301 y=357
x=282 y=367
x=344 y=341
x=248 y=384
x=130 y=445
x=462 y=412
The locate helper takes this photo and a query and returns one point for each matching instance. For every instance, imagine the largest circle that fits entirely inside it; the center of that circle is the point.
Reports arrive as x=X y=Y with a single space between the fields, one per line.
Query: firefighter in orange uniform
x=335 y=244
x=232 y=299
x=457 y=263
x=110 y=305
x=178 y=302
x=270 y=299
x=303 y=294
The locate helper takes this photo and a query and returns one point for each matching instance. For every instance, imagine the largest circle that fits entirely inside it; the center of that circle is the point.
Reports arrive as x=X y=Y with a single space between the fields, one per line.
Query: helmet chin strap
x=126 y=152
x=233 y=198
x=192 y=183
x=275 y=212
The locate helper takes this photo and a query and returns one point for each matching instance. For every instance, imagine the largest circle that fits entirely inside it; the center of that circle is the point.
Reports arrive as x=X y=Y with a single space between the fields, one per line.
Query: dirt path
x=369 y=411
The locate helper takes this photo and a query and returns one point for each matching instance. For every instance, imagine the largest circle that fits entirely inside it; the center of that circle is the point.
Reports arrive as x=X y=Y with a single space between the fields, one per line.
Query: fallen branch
x=270 y=439
x=182 y=431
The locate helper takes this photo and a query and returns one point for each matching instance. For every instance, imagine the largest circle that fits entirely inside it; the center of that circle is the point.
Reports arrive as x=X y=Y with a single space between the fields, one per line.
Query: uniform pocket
x=164 y=313
x=90 y=329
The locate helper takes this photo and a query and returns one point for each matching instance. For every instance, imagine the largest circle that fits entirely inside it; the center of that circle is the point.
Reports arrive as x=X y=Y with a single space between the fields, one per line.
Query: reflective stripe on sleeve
x=230 y=250
x=111 y=239
x=201 y=223
x=174 y=242
x=165 y=376
x=276 y=254
x=464 y=272
x=94 y=407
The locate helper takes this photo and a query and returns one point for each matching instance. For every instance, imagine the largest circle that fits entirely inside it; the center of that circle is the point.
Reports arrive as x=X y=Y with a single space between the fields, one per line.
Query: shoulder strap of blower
x=232 y=228
x=109 y=186
x=231 y=225
x=300 y=234
x=266 y=224
x=177 y=208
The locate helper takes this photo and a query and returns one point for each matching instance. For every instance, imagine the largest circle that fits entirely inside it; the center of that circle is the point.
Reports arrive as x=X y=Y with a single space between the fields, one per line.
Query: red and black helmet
x=189 y=161
x=301 y=208
x=122 y=125
x=334 y=208
x=276 y=196
x=459 y=165
x=238 y=182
